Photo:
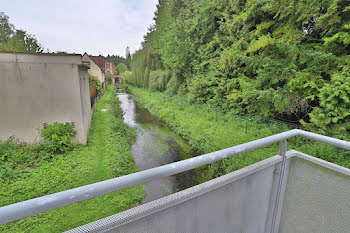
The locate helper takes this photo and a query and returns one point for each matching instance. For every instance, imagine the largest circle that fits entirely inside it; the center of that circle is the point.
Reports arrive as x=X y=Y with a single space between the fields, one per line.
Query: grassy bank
x=207 y=130
x=107 y=155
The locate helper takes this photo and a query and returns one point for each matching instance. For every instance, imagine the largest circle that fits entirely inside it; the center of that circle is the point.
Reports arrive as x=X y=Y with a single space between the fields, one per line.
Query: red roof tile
x=100 y=60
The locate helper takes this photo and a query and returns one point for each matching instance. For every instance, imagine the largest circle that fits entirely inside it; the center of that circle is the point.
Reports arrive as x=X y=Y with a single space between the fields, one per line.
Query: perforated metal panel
x=317 y=197
x=237 y=202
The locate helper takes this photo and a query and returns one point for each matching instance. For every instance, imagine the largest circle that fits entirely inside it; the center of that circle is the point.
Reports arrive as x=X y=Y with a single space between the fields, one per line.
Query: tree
x=12 y=39
x=128 y=56
x=281 y=59
x=121 y=68
x=6 y=29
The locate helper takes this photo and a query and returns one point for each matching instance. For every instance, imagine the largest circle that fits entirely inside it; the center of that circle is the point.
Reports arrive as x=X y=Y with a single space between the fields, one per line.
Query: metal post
x=281 y=187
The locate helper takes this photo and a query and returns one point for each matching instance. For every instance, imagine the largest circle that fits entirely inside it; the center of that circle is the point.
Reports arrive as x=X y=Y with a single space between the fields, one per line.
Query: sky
x=78 y=26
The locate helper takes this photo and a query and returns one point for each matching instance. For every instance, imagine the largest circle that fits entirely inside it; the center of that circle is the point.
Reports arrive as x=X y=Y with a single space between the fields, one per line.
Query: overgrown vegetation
x=109 y=78
x=16 y=156
x=37 y=173
x=282 y=59
x=12 y=39
x=95 y=82
x=210 y=129
x=58 y=137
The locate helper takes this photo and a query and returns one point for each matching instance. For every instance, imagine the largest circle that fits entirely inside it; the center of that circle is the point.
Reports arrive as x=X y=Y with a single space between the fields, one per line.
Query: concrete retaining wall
x=38 y=88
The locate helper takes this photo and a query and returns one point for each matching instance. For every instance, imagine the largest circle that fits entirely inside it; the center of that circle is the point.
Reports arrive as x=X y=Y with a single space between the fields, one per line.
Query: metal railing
x=41 y=204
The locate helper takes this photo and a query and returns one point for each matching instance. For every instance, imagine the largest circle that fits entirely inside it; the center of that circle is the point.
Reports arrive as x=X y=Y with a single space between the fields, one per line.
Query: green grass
x=207 y=129
x=107 y=155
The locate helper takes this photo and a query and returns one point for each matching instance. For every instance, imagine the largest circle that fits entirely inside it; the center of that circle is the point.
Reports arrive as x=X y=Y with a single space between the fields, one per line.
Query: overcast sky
x=78 y=26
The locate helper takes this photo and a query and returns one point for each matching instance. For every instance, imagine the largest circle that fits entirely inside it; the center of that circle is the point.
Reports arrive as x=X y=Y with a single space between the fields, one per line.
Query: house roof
x=100 y=60
x=95 y=61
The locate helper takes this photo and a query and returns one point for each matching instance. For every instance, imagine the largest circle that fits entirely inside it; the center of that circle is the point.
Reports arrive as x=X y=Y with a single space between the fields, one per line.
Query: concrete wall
x=85 y=102
x=94 y=70
x=42 y=88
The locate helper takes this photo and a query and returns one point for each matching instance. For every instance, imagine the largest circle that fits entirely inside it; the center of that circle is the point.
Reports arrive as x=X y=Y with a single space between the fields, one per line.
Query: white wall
x=42 y=88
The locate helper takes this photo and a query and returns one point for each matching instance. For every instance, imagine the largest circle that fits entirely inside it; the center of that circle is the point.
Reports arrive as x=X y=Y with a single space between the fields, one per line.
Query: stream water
x=156 y=145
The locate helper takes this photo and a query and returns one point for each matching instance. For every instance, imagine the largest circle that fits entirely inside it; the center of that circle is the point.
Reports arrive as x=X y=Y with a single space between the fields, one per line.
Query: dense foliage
x=12 y=39
x=95 y=82
x=120 y=68
x=57 y=137
x=283 y=59
x=117 y=59
x=209 y=129
x=107 y=155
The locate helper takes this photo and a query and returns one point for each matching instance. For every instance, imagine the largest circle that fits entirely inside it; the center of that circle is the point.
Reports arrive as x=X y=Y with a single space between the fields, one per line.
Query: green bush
x=58 y=137
x=94 y=79
x=109 y=77
x=121 y=68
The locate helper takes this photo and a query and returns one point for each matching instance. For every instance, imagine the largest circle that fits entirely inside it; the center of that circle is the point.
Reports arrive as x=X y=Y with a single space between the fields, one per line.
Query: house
x=97 y=67
x=110 y=68
x=43 y=88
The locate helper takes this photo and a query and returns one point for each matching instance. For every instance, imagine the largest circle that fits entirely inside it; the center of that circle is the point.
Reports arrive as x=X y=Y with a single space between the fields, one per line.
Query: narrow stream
x=156 y=145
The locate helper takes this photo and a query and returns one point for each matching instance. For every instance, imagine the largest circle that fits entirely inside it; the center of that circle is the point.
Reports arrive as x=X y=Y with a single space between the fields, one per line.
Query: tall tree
x=128 y=56
x=6 y=29
x=12 y=39
x=277 y=58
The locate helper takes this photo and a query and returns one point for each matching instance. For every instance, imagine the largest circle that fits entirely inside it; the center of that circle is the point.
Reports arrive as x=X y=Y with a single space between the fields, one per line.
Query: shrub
x=109 y=77
x=121 y=68
x=94 y=79
x=58 y=137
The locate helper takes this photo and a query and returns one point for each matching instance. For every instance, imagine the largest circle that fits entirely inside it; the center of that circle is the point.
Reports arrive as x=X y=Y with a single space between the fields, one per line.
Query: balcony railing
x=289 y=192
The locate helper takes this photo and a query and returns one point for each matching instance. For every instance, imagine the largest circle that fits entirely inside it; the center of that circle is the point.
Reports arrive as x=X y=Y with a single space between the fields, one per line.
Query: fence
x=290 y=192
x=93 y=95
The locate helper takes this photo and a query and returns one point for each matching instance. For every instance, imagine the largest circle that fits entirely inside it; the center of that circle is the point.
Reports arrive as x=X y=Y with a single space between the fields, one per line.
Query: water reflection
x=155 y=145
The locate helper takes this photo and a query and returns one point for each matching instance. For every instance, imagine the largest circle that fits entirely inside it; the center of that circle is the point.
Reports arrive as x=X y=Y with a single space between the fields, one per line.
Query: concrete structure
x=96 y=68
x=39 y=88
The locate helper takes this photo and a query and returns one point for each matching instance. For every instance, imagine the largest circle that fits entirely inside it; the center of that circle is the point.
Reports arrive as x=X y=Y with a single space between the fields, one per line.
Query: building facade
x=96 y=67
x=110 y=68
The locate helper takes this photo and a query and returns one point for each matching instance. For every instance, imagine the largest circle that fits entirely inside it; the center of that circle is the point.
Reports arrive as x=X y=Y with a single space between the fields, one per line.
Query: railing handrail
x=38 y=205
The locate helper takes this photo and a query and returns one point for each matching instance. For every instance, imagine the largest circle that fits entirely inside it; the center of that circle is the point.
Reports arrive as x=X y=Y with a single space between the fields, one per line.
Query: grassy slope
x=107 y=155
x=207 y=131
